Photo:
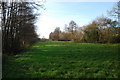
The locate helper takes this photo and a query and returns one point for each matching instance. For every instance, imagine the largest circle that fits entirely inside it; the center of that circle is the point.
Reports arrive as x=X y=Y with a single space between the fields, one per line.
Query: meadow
x=59 y=59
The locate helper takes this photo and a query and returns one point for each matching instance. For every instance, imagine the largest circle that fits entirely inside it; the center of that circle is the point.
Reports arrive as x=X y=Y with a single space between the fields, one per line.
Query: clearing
x=59 y=59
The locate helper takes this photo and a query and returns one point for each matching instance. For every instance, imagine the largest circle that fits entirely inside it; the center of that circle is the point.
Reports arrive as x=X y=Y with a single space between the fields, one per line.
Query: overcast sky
x=57 y=14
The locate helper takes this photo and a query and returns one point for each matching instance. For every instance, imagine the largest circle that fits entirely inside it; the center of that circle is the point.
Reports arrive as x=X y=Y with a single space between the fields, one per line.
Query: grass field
x=56 y=59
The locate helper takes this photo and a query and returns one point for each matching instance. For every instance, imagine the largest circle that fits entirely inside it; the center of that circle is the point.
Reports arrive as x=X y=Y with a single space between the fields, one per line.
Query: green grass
x=56 y=59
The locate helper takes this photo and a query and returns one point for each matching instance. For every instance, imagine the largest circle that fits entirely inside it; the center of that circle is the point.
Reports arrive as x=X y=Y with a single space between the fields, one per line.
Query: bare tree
x=17 y=26
x=115 y=12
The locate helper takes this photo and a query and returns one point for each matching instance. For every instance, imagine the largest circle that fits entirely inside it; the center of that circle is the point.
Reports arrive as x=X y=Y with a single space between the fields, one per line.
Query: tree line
x=17 y=26
x=100 y=30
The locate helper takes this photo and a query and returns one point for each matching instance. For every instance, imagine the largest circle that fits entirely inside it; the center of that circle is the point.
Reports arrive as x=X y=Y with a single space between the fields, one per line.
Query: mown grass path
x=55 y=59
